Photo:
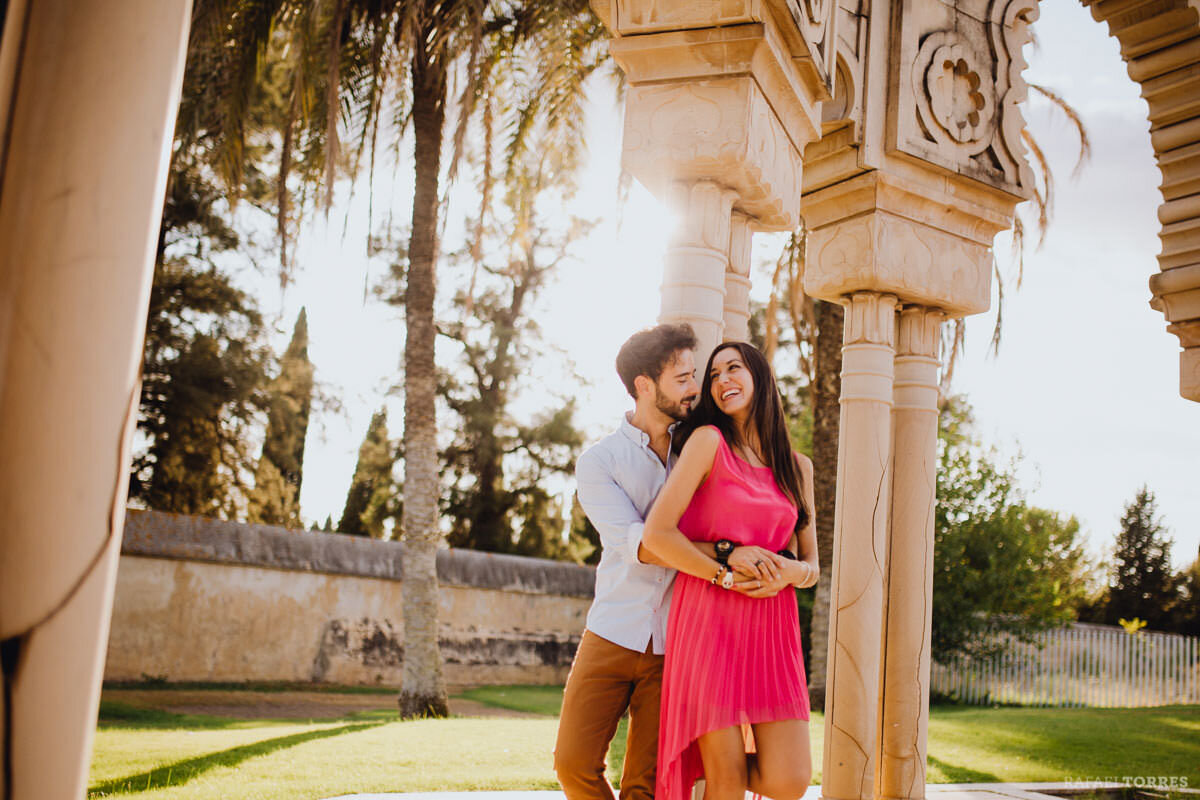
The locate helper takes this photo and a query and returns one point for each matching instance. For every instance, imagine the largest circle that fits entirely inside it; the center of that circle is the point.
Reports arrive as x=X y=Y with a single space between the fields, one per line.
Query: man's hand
x=756 y=562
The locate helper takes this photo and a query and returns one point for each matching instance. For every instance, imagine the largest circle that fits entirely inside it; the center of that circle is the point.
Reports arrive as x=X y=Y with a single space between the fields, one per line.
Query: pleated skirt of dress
x=731 y=660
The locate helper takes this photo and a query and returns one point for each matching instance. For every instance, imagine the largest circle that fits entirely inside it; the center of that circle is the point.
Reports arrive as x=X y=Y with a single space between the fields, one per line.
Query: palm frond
x=332 y=87
x=1043 y=200
x=471 y=87
x=1076 y=120
x=953 y=339
x=994 y=345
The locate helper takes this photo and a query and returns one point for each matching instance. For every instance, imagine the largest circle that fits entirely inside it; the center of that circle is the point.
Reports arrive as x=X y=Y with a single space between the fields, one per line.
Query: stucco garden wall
x=205 y=600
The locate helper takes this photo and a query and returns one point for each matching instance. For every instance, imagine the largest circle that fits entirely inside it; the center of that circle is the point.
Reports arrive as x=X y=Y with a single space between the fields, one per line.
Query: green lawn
x=146 y=753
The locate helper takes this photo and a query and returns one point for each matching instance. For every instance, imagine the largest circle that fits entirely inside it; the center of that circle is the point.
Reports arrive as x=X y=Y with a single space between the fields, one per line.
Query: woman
x=733 y=648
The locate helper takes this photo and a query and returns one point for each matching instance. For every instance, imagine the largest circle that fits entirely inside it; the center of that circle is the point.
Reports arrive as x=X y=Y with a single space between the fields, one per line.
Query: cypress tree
x=1144 y=585
x=371 y=499
x=276 y=496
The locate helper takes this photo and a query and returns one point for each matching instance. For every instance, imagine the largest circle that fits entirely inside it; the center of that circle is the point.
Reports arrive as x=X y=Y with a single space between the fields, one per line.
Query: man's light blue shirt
x=619 y=477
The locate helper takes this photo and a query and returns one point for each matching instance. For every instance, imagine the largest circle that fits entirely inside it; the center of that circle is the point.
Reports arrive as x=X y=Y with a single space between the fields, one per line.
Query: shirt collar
x=636 y=434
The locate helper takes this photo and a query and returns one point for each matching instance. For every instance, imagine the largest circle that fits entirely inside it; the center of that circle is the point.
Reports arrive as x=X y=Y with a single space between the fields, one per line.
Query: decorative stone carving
x=958 y=105
x=883 y=252
x=1176 y=292
x=1010 y=31
x=836 y=155
x=918 y=338
x=808 y=26
x=721 y=130
x=905 y=231
x=635 y=17
x=870 y=319
x=817 y=21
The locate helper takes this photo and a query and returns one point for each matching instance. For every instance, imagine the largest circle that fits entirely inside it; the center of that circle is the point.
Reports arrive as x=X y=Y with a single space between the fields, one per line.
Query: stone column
x=904 y=704
x=693 y=288
x=88 y=97
x=860 y=541
x=737 y=279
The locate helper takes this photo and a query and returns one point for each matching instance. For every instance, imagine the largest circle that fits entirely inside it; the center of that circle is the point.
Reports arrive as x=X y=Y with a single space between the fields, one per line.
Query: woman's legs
x=723 y=753
x=782 y=769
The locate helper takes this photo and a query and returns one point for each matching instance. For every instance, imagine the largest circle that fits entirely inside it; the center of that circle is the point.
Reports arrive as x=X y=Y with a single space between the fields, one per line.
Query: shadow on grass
x=157 y=684
x=114 y=714
x=956 y=774
x=183 y=771
x=117 y=715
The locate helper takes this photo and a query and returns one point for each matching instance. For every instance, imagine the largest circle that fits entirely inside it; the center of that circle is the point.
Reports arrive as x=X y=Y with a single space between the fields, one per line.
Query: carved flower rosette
x=956 y=97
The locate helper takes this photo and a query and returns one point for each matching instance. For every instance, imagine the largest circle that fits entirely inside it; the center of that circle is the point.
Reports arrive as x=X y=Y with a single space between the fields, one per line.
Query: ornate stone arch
x=1160 y=44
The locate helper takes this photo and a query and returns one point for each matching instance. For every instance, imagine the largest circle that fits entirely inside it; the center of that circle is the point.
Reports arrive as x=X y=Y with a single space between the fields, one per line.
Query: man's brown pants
x=605 y=680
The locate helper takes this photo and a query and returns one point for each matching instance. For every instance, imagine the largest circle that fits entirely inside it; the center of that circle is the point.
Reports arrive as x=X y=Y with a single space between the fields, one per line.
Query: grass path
x=157 y=755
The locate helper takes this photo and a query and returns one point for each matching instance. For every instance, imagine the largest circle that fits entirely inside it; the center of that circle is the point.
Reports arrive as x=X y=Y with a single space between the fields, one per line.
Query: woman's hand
x=802 y=574
x=756 y=562
x=753 y=587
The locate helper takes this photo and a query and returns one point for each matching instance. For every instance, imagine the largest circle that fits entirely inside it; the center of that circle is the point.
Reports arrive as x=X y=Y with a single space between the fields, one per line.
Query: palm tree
x=373 y=66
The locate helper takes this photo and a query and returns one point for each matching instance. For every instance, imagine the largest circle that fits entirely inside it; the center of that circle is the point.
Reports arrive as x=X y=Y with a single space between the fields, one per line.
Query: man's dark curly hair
x=649 y=351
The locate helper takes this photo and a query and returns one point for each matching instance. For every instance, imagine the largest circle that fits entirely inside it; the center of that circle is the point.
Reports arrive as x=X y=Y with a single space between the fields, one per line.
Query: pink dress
x=731 y=659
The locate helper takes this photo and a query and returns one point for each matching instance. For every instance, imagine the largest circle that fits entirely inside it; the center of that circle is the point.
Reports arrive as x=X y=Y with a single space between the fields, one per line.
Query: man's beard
x=675 y=411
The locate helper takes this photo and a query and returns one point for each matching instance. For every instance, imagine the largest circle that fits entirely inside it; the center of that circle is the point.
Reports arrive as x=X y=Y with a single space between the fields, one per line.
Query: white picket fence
x=1080 y=665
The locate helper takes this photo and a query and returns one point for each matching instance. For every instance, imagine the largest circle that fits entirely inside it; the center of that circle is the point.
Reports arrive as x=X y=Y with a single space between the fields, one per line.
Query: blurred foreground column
x=88 y=96
x=722 y=100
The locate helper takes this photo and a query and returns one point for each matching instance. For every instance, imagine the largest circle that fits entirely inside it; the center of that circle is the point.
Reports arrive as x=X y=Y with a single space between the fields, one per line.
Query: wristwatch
x=723 y=548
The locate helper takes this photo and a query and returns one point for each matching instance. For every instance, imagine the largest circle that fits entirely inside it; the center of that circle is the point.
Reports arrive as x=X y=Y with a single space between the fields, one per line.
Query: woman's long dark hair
x=766 y=416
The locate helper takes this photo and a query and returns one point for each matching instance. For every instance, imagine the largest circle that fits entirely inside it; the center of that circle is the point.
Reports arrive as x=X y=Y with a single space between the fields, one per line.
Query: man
x=620 y=659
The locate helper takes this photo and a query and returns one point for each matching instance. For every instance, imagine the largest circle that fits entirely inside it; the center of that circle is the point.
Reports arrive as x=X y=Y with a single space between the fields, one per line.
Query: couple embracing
x=705 y=517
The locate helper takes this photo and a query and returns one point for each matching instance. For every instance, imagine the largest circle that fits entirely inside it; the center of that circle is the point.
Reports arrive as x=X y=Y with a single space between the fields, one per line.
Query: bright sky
x=1085 y=385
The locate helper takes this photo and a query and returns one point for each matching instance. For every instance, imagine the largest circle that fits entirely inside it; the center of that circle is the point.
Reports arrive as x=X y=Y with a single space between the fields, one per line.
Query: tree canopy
x=1001 y=565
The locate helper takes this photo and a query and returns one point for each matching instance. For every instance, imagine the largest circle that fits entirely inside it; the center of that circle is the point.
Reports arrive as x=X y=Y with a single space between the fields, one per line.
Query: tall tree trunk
x=423 y=692
x=488 y=529
x=827 y=388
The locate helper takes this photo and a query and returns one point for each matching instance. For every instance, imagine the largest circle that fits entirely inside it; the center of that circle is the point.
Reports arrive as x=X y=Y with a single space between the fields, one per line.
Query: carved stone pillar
x=920 y=165
x=737 y=279
x=860 y=541
x=693 y=288
x=722 y=100
x=907 y=614
x=88 y=97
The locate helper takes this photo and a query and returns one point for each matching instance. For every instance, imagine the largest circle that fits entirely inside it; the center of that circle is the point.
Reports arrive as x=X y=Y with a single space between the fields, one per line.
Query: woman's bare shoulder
x=806 y=464
x=707 y=437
